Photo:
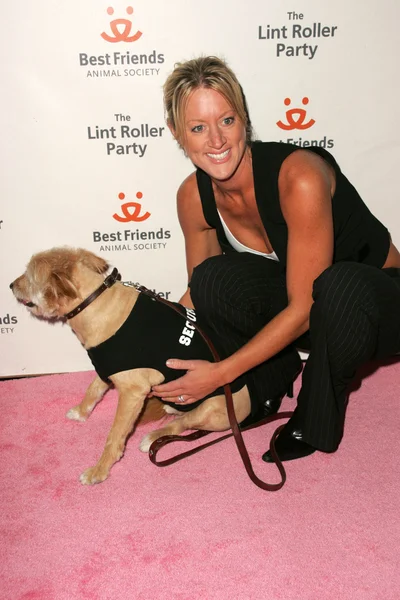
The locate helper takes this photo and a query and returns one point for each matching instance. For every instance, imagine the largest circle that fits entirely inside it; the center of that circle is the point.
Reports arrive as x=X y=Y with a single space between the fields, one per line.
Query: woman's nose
x=216 y=138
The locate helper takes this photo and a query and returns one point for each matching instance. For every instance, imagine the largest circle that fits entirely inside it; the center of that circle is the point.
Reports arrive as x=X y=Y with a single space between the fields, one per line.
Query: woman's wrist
x=226 y=372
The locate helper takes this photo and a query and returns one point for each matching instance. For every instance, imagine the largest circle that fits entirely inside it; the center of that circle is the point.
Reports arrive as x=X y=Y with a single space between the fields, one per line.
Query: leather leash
x=236 y=432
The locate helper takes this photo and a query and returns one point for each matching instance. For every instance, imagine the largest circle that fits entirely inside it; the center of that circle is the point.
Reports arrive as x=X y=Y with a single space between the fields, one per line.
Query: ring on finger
x=181 y=399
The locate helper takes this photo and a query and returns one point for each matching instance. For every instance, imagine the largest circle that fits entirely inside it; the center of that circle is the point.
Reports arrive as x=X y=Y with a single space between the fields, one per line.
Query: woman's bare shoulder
x=306 y=167
x=305 y=174
x=190 y=210
x=188 y=188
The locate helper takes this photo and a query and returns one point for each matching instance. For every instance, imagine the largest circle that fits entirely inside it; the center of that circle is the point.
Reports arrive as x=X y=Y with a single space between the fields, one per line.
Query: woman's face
x=214 y=137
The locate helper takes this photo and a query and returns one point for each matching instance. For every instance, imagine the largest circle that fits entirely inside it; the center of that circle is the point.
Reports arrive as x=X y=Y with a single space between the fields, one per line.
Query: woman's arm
x=200 y=239
x=306 y=184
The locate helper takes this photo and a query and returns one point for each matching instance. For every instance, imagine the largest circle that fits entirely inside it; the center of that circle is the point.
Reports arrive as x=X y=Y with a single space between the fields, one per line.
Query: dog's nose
x=11 y=285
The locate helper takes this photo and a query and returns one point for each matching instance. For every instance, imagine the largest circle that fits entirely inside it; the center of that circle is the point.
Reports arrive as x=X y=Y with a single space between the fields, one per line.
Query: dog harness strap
x=107 y=283
x=236 y=432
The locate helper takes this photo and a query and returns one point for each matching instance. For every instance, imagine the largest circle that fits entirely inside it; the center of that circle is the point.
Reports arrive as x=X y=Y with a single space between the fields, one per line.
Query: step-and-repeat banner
x=87 y=159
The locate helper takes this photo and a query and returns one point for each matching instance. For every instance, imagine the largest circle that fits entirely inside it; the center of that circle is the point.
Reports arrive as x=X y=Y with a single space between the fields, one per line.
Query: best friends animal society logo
x=122 y=62
x=132 y=213
x=296 y=118
x=121 y=29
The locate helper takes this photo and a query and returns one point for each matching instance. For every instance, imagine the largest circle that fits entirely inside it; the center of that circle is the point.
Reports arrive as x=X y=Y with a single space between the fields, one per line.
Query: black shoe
x=272 y=405
x=289 y=445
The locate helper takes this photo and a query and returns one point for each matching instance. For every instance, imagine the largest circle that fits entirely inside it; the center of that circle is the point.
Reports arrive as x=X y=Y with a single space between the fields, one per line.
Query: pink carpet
x=199 y=529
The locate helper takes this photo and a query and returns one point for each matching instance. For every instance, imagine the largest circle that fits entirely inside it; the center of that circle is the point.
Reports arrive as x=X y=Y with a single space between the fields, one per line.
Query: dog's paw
x=146 y=442
x=93 y=475
x=75 y=415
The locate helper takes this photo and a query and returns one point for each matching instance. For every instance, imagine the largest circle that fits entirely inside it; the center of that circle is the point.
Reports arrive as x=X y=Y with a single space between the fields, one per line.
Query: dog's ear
x=93 y=262
x=58 y=289
x=61 y=286
x=52 y=276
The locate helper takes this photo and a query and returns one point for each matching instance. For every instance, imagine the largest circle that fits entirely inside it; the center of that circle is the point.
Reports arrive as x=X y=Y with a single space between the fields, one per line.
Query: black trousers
x=355 y=317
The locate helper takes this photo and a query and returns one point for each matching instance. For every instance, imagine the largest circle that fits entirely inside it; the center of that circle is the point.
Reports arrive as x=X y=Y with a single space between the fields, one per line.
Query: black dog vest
x=152 y=334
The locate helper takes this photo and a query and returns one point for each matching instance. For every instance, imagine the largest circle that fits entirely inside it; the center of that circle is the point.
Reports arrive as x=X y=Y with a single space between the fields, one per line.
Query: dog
x=70 y=283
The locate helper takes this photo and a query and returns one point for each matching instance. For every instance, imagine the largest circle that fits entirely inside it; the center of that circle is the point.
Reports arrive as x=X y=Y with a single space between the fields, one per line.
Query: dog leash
x=236 y=431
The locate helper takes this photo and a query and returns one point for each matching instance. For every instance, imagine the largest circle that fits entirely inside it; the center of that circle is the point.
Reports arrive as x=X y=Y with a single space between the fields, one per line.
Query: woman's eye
x=197 y=128
x=229 y=120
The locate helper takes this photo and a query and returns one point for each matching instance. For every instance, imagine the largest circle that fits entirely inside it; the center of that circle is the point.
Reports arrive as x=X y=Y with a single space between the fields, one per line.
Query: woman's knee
x=204 y=279
x=344 y=288
x=220 y=276
x=210 y=267
x=342 y=279
x=345 y=316
x=241 y=279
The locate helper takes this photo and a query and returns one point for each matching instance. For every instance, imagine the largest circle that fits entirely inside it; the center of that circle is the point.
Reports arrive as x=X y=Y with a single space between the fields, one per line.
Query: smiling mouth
x=219 y=156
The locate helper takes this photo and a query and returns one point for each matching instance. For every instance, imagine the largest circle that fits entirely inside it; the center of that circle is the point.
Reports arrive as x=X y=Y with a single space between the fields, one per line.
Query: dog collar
x=107 y=283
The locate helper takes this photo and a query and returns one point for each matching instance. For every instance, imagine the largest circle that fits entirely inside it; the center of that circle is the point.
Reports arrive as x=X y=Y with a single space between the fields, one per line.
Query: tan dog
x=56 y=282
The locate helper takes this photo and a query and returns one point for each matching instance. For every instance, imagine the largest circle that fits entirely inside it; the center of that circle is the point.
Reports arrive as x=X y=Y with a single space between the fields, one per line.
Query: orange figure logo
x=126 y=26
x=298 y=122
x=135 y=214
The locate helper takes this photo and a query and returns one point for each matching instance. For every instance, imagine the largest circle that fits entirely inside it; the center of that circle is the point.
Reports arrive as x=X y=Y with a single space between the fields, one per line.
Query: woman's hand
x=201 y=378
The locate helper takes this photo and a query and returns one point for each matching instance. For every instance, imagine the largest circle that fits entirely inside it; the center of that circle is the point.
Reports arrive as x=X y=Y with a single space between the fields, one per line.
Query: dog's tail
x=153 y=411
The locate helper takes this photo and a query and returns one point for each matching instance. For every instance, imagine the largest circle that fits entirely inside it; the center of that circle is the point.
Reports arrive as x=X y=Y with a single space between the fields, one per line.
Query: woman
x=278 y=243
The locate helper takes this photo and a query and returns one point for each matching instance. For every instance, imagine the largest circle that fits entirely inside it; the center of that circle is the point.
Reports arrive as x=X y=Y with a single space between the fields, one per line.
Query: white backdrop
x=87 y=159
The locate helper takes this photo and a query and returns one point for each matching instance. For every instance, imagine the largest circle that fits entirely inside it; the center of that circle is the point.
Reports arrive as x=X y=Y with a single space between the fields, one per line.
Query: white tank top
x=239 y=247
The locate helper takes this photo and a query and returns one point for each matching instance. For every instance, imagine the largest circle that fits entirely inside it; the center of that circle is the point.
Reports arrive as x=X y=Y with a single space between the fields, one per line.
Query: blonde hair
x=208 y=72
